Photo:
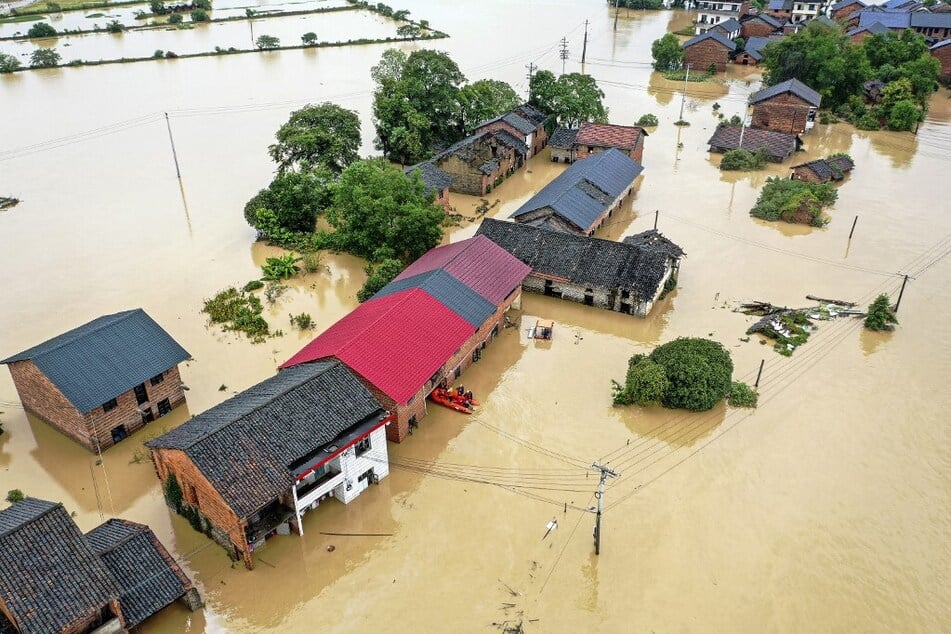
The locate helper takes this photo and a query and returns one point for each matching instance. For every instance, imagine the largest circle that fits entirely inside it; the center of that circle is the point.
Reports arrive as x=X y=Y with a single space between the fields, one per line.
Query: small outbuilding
x=569 y=145
x=708 y=50
x=753 y=50
x=942 y=52
x=54 y=579
x=102 y=381
x=858 y=34
x=525 y=122
x=846 y=10
x=760 y=25
x=833 y=168
x=789 y=106
x=562 y=144
x=777 y=146
x=434 y=179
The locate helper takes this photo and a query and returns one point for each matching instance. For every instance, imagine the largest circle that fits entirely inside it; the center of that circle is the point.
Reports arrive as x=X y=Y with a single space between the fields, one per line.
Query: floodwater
x=825 y=510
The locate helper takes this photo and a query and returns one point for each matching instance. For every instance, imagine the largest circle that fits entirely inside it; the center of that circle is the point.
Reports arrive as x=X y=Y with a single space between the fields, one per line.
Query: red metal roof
x=477 y=262
x=622 y=137
x=396 y=342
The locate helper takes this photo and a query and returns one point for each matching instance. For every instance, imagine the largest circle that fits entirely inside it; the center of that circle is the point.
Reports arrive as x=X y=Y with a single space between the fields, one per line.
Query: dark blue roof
x=108 y=356
x=844 y=3
x=793 y=86
x=754 y=45
x=729 y=26
x=574 y=194
x=931 y=20
x=780 y=5
x=893 y=20
x=452 y=293
x=710 y=35
x=874 y=28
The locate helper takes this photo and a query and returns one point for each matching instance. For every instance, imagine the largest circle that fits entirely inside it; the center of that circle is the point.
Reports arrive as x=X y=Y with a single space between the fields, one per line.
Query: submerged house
x=434 y=180
x=481 y=161
x=102 y=381
x=753 y=51
x=424 y=328
x=626 y=277
x=569 y=145
x=708 y=51
x=54 y=579
x=788 y=106
x=253 y=466
x=776 y=146
x=833 y=168
x=760 y=25
x=582 y=197
x=525 y=122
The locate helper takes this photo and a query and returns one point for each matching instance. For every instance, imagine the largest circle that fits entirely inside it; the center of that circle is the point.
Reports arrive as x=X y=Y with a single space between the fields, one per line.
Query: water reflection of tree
x=900 y=147
x=672 y=428
x=872 y=341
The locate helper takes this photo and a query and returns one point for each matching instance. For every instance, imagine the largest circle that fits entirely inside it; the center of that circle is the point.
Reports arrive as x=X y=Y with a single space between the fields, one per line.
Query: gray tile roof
x=755 y=45
x=245 y=445
x=829 y=169
x=765 y=17
x=583 y=191
x=563 y=138
x=845 y=3
x=825 y=21
x=729 y=44
x=104 y=358
x=531 y=113
x=926 y=20
x=148 y=577
x=452 y=293
x=780 y=5
x=730 y=26
x=654 y=240
x=433 y=178
x=588 y=262
x=515 y=119
x=778 y=146
x=890 y=19
x=512 y=141
x=874 y=28
x=49 y=576
x=794 y=86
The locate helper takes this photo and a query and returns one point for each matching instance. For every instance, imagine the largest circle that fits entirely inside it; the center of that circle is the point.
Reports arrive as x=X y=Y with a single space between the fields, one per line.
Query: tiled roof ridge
x=52 y=507
x=137 y=529
x=67 y=340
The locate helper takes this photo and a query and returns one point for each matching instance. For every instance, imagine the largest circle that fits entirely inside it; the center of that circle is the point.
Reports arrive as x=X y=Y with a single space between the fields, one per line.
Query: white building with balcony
x=713 y=12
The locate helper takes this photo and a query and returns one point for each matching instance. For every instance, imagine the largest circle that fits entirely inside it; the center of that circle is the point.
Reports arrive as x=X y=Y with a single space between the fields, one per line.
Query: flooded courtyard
x=825 y=509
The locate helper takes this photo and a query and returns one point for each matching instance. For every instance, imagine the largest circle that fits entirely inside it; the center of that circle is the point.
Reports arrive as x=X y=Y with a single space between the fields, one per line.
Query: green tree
x=904 y=115
x=416 y=104
x=378 y=213
x=699 y=371
x=295 y=198
x=199 y=15
x=646 y=383
x=309 y=38
x=821 y=58
x=15 y=495
x=8 y=63
x=409 y=30
x=157 y=7
x=667 y=53
x=41 y=29
x=742 y=395
x=378 y=276
x=571 y=99
x=880 y=315
x=44 y=58
x=325 y=136
x=202 y=4
x=267 y=42
x=175 y=18
x=115 y=27
x=485 y=99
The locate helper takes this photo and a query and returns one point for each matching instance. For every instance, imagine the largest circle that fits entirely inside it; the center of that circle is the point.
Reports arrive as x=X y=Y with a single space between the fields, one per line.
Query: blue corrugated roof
x=890 y=19
x=448 y=291
x=570 y=195
x=108 y=356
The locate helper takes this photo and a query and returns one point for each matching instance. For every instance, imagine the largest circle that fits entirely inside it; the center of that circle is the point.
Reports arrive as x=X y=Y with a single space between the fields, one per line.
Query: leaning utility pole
x=605 y=474
x=563 y=53
x=531 y=74
x=584 y=47
x=178 y=172
x=684 y=97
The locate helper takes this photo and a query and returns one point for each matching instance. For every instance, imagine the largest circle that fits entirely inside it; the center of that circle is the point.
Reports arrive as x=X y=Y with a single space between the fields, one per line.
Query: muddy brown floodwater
x=825 y=510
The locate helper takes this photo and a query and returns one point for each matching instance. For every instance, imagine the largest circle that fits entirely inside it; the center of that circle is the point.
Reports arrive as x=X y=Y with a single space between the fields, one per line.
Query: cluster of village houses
x=783 y=112
x=251 y=467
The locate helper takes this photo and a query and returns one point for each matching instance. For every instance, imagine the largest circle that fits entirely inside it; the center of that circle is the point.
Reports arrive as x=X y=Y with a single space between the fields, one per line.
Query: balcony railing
x=306 y=495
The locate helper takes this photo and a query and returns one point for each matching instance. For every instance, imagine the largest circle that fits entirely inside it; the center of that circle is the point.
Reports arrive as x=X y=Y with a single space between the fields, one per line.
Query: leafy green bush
x=648 y=121
x=742 y=395
x=44 y=58
x=115 y=27
x=8 y=63
x=794 y=201
x=303 y=321
x=253 y=285
x=173 y=493
x=868 y=121
x=41 y=29
x=699 y=371
x=880 y=315
x=312 y=262
x=281 y=268
x=238 y=311
x=175 y=18
x=199 y=15
x=743 y=160
x=646 y=383
x=15 y=495
x=158 y=54
x=378 y=276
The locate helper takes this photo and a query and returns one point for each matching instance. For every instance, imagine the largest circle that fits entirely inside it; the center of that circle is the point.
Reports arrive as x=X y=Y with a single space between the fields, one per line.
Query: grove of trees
x=325 y=136
x=570 y=99
x=667 y=53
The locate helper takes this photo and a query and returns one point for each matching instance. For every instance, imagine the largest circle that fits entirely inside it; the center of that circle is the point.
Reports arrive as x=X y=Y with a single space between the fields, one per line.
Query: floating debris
x=789 y=328
x=7 y=202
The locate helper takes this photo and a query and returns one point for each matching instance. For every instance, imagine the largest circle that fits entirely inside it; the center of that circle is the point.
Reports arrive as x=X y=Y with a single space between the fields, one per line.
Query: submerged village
x=585 y=316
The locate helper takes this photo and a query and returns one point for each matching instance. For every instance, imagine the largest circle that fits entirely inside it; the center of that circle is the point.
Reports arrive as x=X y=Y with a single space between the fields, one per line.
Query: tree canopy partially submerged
x=794 y=201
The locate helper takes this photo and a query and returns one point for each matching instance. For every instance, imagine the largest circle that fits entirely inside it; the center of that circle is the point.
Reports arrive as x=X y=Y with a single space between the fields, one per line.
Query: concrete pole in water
x=760 y=373
x=854 y=222
x=901 y=292
x=683 y=99
x=656 y=214
x=617 y=11
x=178 y=172
x=605 y=474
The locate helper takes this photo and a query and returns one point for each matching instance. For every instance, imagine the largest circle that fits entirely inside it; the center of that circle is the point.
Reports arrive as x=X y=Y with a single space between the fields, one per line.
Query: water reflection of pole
x=188 y=219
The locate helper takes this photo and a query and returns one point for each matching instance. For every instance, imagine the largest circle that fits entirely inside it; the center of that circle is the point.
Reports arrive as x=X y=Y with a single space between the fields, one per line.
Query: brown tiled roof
x=777 y=145
x=623 y=137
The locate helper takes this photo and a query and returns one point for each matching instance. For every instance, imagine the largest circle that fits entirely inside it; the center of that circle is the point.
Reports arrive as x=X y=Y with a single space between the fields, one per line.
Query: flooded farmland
x=825 y=510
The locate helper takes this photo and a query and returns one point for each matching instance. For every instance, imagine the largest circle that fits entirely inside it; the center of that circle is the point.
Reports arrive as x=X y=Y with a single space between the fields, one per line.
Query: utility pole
x=563 y=53
x=901 y=292
x=605 y=474
x=743 y=127
x=656 y=215
x=531 y=74
x=178 y=172
x=584 y=47
x=617 y=11
x=683 y=99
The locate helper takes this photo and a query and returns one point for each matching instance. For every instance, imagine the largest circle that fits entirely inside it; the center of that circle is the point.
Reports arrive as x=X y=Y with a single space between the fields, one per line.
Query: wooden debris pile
x=789 y=328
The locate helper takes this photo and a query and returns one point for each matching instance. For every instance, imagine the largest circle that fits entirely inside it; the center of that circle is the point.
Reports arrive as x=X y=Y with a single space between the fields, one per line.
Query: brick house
x=102 y=381
x=942 y=52
x=780 y=9
x=706 y=51
x=435 y=181
x=424 y=328
x=777 y=146
x=562 y=144
x=713 y=12
x=569 y=145
x=934 y=26
x=252 y=466
x=481 y=161
x=627 y=277
x=526 y=122
x=730 y=28
x=834 y=168
x=54 y=579
x=858 y=34
x=753 y=50
x=844 y=10
x=788 y=106
x=582 y=197
x=760 y=25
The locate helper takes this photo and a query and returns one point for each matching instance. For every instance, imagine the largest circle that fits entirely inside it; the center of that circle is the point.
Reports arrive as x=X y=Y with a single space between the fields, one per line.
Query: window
x=363 y=446
x=110 y=405
x=366 y=475
x=164 y=407
x=158 y=378
x=119 y=433
x=147 y=416
x=141 y=396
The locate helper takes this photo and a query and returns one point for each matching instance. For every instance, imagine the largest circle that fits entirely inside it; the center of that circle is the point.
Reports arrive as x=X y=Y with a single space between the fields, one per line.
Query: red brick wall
x=581 y=151
x=805 y=174
x=784 y=113
x=745 y=59
x=943 y=55
x=704 y=53
x=845 y=12
x=755 y=28
x=40 y=396
x=207 y=499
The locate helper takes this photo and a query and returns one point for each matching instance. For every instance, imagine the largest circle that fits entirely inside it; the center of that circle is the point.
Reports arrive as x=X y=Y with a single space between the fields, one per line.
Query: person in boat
x=467 y=404
x=461 y=390
x=469 y=396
